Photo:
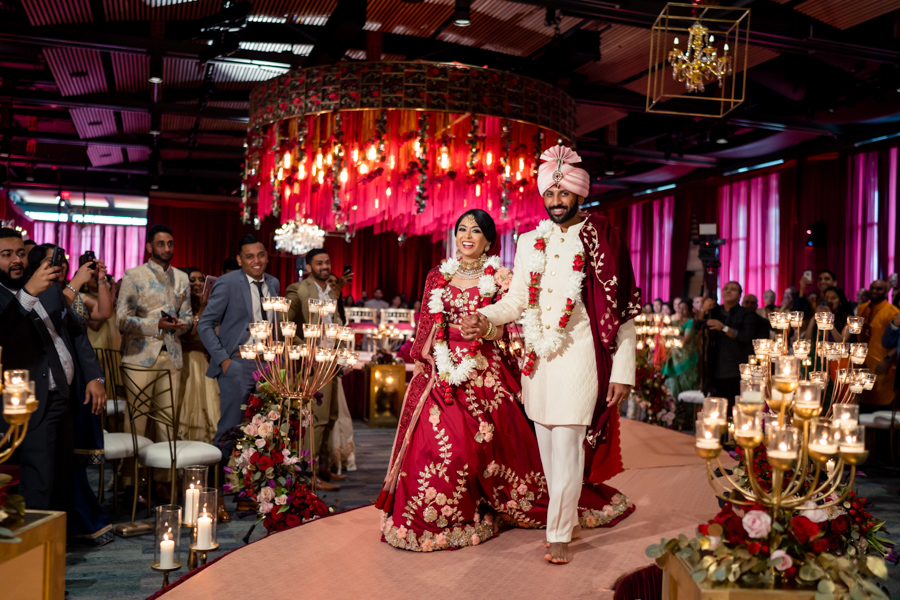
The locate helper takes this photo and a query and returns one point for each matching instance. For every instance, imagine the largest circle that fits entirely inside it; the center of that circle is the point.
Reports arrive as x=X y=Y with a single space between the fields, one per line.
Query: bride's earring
x=458 y=254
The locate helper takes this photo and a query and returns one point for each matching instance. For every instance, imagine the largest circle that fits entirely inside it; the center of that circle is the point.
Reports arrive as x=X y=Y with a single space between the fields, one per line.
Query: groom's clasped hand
x=473 y=326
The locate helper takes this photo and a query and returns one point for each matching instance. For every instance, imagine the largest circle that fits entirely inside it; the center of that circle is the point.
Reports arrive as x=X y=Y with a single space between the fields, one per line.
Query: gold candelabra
x=700 y=62
x=18 y=403
x=297 y=367
x=782 y=403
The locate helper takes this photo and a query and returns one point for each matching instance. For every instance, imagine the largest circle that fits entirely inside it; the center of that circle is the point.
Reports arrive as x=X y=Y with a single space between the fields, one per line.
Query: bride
x=465 y=459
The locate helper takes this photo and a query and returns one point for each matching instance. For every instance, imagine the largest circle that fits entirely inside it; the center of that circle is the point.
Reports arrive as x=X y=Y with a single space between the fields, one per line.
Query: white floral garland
x=443 y=357
x=541 y=340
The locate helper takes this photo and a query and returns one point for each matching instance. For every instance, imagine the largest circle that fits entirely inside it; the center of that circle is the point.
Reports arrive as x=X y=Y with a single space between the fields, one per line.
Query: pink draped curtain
x=121 y=247
x=749 y=221
x=861 y=249
x=892 y=266
x=650 y=244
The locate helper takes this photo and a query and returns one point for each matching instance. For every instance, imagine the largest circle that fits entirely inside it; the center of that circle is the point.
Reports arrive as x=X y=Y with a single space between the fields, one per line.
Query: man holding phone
x=154 y=310
x=318 y=266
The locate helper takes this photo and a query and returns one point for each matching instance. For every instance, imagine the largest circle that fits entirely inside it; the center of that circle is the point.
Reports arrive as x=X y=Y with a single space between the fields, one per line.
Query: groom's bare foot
x=558 y=554
x=576 y=534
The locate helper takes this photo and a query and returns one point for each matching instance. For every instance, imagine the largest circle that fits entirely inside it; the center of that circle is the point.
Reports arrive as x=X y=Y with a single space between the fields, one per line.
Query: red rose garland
x=534 y=291
x=443 y=327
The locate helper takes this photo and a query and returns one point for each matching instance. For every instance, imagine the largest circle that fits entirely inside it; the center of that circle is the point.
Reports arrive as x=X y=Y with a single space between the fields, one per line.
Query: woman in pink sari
x=465 y=460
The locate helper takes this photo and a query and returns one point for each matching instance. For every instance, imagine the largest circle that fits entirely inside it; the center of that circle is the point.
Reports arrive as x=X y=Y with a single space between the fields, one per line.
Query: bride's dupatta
x=416 y=394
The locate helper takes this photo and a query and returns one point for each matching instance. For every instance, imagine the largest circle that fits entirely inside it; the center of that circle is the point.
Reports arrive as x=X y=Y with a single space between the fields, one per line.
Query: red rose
x=254 y=458
x=292 y=520
x=264 y=463
x=277 y=515
x=753 y=547
x=277 y=458
x=821 y=545
x=804 y=529
x=268 y=523
x=734 y=530
x=840 y=524
x=703 y=529
x=790 y=573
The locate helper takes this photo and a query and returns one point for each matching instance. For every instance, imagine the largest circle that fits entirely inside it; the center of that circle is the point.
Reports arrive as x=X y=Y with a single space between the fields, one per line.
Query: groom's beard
x=13 y=284
x=567 y=216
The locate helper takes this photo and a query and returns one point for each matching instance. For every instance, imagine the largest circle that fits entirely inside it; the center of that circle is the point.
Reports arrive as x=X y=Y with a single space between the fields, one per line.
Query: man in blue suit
x=235 y=302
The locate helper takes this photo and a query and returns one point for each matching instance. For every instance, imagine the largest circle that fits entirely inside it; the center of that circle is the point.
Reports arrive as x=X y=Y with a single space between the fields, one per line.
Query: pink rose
x=590 y=521
x=503 y=277
x=489 y=381
x=522 y=489
x=258 y=420
x=511 y=504
x=267 y=494
x=484 y=427
x=281 y=500
x=784 y=559
x=427 y=546
x=273 y=415
x=260 y=443
x=447 y=511
x=388 y=524
x=608 y=511
x=488 y=436
x=475 y=539
x=488 y=520
x=440 y=540
x=493 y=468
x=757 y=524
x=265 y=430
x=401 y=533
x=265 y=507
x=616 y=500
x=251 y=430
x=430 y=493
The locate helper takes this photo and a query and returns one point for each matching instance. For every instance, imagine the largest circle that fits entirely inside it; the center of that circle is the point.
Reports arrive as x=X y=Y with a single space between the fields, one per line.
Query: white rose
x=266 y=494
x=281 y=500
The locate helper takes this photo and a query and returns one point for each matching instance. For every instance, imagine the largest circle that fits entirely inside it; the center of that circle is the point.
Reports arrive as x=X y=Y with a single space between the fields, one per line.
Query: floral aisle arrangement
x=651 y=392
x=12 y=510
x=270 y=470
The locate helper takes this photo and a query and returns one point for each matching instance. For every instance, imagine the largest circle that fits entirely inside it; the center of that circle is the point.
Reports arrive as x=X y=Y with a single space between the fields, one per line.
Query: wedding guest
x=199 y=394
x=667 y=309
x=230 y=264
x=894 y=281
x=397 y=302
x=681 y=367
x=835 y=302
x=377 y=301
x=343 y=449
x=153 y=312
x=769 y=305
x=762 y=329
x=730 y=330
x=878 y=314
x=862 y=296
x=657 y=306
x=235 y=302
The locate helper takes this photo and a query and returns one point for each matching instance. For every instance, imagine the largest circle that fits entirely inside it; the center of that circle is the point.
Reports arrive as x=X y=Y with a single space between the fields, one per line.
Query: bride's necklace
x=470 y=269
x=451 y=374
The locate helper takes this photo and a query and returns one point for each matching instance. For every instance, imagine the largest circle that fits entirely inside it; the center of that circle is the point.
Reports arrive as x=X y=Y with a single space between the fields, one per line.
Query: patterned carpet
x=121 y=569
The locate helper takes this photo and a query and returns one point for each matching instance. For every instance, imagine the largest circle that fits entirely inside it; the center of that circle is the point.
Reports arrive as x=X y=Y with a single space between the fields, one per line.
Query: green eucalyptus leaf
x=671 y=546
x=6 y=532
x=682 y=539
x=705 y=562
x=807 y=573
x=719 y=574
x=698 y=576
x=843 y=564
x=684 y=553
x=877 y=566
x=856 y=592
x=655 y=551
x=854 y=535
x=826 y=587
x=778 y=527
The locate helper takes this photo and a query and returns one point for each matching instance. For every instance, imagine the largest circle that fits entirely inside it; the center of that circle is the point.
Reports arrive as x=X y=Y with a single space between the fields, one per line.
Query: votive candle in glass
x=747 y=428
x=823 y=438
x=715 y=411
x=825 y=321
x=796 y=318
x=845 y=415
x=781 y=445
x=203 y=536
x=311 y=331
x=752 y=395
x=288 y=328
x=807 y=400
x=855 y=324
x=802 y=348
x=858 y=353
x=708 y=434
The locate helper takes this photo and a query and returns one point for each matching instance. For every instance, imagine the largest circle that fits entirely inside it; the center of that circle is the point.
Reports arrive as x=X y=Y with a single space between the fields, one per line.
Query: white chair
x=363 y=321
x=693 y=397
x=403 y=319
x=150 y=396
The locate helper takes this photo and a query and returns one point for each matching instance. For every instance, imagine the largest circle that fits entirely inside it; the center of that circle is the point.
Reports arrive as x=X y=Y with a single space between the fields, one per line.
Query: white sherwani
x=562 y=390
x=561 y=393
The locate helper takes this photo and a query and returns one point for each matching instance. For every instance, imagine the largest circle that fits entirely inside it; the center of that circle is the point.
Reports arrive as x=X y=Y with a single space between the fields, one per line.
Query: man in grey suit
x=235 y=302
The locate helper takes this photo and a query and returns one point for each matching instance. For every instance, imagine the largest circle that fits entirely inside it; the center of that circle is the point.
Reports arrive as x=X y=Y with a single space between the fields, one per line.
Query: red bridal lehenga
x=466 y=463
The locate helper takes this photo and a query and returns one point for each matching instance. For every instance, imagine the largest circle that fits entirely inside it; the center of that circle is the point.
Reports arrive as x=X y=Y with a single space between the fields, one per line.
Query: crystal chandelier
x=700 y=62
x=299 y=236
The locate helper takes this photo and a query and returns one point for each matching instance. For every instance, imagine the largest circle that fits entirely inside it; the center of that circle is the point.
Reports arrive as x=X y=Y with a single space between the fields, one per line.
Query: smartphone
x=88 y=257
x=208 y=284
x=808 y=276
x=348 y=269
x=166 y=315
x=58 y=257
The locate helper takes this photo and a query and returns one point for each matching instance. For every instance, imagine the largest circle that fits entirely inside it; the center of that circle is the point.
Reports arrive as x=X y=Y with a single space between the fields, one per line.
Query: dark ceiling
x=78 y=111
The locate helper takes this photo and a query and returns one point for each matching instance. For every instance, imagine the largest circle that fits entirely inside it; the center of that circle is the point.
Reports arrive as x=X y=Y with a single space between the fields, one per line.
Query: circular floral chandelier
x=299 y=236
x=401 y=146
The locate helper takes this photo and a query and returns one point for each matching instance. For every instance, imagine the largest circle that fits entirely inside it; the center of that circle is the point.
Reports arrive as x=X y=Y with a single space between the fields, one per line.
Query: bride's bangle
x=491 y=332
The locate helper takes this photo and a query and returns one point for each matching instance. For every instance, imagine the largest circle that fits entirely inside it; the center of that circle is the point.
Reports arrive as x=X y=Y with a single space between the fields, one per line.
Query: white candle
x=204 y=533
x=790 y=454
x=15 y=405
x=166 y=553
x=822 y=448
x=853 y=448
x=856 y=389
x=268 y=356
x=191 y=503
x=711 y=444
x=829 y=466
x=752 y=397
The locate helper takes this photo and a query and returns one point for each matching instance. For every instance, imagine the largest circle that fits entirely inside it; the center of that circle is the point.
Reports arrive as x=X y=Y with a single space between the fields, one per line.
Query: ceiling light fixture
x=722 y=140
x=700 y=62
x=462 y=13
x=155 y=80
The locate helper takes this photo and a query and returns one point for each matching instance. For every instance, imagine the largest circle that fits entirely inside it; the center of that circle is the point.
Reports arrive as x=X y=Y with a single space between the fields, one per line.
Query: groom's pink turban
x=558 y=170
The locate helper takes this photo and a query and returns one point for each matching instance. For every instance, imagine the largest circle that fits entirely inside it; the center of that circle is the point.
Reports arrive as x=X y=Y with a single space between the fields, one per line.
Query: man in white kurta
x=560 y=395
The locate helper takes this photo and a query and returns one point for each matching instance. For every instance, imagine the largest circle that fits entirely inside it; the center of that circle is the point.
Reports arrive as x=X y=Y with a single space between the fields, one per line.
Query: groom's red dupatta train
x=611 y=299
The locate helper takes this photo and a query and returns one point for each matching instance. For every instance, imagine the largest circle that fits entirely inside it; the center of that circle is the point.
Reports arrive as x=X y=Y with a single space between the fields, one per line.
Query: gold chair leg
x=137 y=485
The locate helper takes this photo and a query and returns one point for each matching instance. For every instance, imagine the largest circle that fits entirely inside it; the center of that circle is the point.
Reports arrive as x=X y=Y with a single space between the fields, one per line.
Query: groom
x=574 y=283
